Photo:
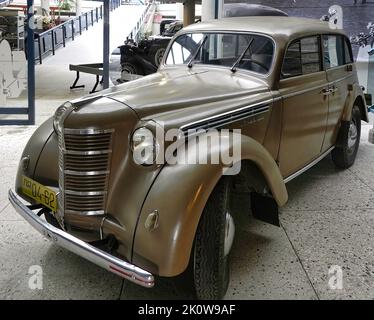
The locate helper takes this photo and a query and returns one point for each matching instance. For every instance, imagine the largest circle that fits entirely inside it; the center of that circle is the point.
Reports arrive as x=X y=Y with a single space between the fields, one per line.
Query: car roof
x=275 y=26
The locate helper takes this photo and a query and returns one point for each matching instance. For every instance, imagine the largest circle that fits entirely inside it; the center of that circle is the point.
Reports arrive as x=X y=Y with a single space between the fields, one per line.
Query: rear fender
x=355 y=96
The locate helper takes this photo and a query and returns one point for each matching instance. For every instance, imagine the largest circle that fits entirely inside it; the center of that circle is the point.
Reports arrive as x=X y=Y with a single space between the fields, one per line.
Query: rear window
x=333 y=51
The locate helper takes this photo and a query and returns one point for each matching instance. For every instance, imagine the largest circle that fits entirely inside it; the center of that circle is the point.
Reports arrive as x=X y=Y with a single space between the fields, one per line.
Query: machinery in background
x=172 y=28
x=167 y=26
x=143 y=58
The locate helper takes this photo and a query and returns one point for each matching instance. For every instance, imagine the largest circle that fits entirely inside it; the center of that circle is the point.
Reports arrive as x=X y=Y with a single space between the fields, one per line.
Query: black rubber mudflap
x=265 y=209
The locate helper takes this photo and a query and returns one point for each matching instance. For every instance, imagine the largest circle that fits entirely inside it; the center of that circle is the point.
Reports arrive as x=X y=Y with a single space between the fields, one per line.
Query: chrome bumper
x=81 y=248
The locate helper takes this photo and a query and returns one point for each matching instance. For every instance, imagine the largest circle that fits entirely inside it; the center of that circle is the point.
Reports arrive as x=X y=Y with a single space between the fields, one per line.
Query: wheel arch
x=355 y=97
x=360 y=102
x=179 y=195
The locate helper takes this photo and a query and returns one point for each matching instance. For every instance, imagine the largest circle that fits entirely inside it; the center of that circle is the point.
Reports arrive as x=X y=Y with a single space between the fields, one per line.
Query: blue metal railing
x=50 y=40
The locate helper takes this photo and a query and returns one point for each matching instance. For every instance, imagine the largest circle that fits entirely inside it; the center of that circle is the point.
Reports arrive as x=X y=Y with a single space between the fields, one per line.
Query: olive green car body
x=300 y=126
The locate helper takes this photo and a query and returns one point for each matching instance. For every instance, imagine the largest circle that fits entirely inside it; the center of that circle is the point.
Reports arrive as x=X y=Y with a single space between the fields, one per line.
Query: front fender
x=33 y=150
x=179 y=194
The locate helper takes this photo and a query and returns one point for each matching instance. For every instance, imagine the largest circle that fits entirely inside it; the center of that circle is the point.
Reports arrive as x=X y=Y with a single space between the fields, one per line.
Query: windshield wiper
x=190 y=63
x=233 y=68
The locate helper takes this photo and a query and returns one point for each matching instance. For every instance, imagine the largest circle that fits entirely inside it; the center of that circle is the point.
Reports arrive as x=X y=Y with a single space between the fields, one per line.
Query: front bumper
x=81 y=248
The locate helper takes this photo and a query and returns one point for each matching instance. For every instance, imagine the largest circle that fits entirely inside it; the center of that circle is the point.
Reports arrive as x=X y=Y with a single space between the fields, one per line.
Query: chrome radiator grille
x=84 y=170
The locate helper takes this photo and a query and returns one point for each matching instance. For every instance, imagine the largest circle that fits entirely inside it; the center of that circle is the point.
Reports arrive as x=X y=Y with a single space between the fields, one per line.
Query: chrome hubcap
x=229 y=233
x=352 y=135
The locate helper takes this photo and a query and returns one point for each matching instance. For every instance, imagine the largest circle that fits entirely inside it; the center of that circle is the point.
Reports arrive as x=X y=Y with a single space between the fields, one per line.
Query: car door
x=304 y=90
x=338 y=62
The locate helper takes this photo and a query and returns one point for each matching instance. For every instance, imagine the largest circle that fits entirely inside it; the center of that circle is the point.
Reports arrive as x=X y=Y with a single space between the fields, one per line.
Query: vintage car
x=286 y=86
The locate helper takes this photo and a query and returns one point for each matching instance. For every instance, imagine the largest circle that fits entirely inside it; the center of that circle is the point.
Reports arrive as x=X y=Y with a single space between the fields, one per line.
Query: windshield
x=223 y=49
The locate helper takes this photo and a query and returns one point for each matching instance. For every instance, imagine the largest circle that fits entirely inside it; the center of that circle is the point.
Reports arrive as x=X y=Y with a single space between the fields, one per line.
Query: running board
x=307 y=167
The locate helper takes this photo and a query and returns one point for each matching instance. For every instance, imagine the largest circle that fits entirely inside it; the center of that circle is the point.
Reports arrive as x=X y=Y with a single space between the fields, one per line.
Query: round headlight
x=144 y=146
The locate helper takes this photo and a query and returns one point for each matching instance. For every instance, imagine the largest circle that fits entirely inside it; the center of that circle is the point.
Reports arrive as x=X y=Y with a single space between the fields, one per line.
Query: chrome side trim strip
x=293 y=94
x=86 y=173
x=316 y=87
x=311 y=164
x=241 y=113
x=233 y=119
x=87 y=131
x=341 y=79
x=101 y=258
x=85 y=193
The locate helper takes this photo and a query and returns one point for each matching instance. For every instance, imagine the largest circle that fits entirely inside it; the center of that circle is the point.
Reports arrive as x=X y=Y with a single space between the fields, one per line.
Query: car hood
x=180 y=90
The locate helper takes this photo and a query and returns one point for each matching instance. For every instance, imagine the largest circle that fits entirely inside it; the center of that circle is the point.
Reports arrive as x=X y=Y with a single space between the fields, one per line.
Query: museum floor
x=328 y=221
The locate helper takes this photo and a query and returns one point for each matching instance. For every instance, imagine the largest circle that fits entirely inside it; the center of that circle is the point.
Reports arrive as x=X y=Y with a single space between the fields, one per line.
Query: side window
x=292 y=61
x=302 y=57
x=310 y=55
x=333 y=53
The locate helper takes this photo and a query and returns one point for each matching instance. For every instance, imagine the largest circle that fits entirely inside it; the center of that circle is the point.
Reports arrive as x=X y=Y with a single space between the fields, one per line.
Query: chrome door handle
x=326 y=91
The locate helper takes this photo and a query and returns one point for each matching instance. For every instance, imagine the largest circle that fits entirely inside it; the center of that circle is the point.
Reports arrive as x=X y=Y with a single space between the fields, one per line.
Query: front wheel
x=345 y=155
x=213 y=241
x=130 y=68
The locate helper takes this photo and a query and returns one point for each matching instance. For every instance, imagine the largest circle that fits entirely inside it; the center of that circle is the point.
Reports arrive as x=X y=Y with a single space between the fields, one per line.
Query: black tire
x=211 y=266
x=131 y=68
x=344 y=156
x=156 y=54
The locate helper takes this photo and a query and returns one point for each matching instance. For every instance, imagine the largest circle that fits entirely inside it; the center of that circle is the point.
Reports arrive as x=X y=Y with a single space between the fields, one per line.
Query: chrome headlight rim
x=144 y=131
x=60 y=115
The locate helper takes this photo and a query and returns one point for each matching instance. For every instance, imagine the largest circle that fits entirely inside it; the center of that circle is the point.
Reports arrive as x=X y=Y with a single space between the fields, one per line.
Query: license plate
x=40 y=193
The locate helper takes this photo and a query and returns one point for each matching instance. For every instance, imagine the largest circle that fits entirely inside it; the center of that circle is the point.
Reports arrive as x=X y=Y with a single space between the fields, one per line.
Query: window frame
x=345 y=40
x=349 y=45
x=320 y=52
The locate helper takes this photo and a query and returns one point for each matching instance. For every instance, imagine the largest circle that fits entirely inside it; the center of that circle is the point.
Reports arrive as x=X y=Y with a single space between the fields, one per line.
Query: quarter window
x=302 y=57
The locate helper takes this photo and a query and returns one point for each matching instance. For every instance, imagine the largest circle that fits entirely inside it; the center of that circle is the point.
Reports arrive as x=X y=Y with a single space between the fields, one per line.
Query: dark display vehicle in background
x=143 y=58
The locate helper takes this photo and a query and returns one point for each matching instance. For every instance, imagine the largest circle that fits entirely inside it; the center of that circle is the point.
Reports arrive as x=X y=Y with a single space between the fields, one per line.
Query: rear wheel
x=344 y=156
x=213 y=241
